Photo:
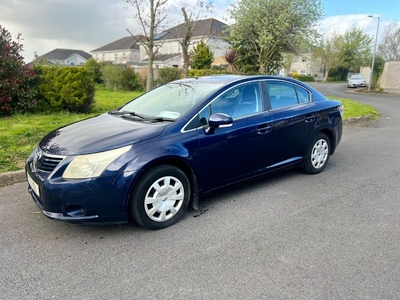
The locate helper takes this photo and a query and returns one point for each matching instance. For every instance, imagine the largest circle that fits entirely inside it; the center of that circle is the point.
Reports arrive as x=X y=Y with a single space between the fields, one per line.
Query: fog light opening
x=75 y=211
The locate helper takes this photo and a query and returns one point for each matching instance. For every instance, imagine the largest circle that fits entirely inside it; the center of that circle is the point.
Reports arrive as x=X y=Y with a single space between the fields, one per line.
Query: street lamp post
x=373 y=57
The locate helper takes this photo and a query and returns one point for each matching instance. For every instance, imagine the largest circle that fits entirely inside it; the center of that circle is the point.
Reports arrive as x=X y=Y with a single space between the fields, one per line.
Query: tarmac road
x=335 y=235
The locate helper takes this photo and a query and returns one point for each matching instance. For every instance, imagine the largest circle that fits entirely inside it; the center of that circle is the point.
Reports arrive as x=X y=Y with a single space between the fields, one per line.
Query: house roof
x=165 y=57
x=206 y=27
x=63 y=54
x=129 y=42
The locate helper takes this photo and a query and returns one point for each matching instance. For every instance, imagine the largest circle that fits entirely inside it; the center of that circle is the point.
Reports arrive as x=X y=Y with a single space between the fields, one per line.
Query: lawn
x=19 y=134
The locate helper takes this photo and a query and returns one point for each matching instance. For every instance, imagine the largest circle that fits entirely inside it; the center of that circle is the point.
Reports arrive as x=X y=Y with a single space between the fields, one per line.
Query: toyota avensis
x=152 y=157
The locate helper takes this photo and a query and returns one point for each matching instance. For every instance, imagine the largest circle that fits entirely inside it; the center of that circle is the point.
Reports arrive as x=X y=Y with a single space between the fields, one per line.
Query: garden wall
x=389 y=81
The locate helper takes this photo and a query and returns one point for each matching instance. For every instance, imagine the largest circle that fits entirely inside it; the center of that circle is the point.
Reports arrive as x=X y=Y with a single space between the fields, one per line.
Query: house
x=122 y=51
x=302 y=64
x=169 y=51
x=211 y=31
x=69 y=57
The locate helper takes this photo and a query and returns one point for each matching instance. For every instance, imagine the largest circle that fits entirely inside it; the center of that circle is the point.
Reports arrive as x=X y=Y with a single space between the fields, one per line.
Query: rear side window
x=302 y=94
x=282 y=94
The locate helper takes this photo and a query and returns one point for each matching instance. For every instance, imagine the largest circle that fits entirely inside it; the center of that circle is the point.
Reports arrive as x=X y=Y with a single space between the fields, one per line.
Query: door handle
x=263 y=129
x=309 y=119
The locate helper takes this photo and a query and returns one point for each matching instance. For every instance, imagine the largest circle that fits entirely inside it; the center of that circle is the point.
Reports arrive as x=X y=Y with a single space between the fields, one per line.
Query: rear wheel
x=160 y=197
x=318 y=154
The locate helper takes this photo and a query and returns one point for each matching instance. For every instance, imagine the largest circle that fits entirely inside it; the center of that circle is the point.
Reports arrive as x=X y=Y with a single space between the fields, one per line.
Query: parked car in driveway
x=152 y=157
x=356 y=80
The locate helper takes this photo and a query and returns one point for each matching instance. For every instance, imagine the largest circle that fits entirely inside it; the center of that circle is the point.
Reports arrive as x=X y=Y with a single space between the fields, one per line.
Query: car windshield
x=357 y=77
x=171 y=100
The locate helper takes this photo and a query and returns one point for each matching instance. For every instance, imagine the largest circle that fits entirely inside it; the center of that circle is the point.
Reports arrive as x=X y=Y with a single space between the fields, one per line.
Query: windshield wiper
x=163 y=119
x=125 y=112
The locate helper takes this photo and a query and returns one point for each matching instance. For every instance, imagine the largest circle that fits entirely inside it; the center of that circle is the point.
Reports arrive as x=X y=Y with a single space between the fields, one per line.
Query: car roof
x=225 y=79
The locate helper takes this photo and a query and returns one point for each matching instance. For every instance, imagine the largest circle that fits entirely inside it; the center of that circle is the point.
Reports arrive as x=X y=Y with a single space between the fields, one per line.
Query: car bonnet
x=101 y=133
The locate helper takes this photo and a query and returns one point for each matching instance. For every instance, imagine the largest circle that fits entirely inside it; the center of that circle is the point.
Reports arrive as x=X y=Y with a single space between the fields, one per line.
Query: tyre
x=317 y=154
x=160 y=197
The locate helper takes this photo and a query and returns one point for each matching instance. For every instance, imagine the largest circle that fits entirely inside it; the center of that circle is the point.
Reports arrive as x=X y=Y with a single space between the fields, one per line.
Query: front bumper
x=357 y=84
x=84 y=201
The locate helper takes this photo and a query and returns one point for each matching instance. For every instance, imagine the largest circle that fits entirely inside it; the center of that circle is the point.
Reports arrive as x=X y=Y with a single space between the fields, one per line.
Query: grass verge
x=20 y=134
x=354 y=109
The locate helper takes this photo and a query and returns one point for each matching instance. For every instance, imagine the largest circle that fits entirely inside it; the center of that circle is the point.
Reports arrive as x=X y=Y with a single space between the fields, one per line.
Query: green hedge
x=305 y=78
x=166 y=75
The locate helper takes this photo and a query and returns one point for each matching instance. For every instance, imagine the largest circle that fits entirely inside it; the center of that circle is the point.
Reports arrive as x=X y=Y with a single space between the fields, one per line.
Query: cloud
x=343 y=23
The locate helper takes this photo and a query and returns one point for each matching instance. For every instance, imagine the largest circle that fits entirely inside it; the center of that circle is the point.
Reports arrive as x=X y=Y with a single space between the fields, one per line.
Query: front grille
x=47 y=162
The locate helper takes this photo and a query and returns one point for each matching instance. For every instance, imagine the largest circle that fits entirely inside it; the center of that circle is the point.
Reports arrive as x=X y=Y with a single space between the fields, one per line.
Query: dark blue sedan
x=164 y=150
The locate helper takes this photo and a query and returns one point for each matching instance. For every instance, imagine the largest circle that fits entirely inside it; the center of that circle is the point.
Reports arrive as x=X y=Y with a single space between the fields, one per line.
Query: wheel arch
x=331 y=138
x=184 y=167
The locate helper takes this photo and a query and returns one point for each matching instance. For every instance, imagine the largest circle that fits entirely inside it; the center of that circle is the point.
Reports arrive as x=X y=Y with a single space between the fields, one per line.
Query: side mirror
x=218 y=120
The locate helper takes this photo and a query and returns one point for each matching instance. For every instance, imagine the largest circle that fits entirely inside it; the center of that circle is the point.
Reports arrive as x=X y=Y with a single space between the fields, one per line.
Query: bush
x=166 y=75
x=67 y=88
x=18 y=89
x=305 y=78
x=94 y=69
x=338 y=74
x=129 y=80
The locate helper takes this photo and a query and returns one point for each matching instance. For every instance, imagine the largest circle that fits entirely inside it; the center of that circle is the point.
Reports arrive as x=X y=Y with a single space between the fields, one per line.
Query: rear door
x=293 y=119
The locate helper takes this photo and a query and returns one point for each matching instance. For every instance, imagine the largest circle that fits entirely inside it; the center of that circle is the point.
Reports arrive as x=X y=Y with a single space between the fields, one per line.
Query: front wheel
x=160 y=197
x=318 y=154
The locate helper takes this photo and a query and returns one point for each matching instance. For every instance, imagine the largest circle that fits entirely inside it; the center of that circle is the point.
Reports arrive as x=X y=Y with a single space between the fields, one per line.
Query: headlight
x=92 y=165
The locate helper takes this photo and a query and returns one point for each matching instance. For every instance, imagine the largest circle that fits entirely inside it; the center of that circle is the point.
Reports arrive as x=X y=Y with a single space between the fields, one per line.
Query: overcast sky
x=89 y=24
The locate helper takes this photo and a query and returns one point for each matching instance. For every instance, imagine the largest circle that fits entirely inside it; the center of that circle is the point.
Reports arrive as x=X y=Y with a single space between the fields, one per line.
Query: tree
x=112 y=75
x=191 y=15
x=266 y=28
x=288 y=60
x=17 y=81
x=328 y=50
x=202 y=56
x=389 y=48
x=355 y=49
x=150 y=15
x=344 y=52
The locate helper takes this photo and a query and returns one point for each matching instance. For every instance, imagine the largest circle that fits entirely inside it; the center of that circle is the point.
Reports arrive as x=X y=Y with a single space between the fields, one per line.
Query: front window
x=237 y=102
x=171 y=100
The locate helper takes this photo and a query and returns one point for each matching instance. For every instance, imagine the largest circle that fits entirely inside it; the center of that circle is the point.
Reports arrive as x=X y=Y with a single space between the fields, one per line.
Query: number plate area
x=33 y=185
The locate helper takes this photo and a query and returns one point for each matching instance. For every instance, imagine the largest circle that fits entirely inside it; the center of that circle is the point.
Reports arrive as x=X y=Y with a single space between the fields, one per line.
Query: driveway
x=335 y=235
